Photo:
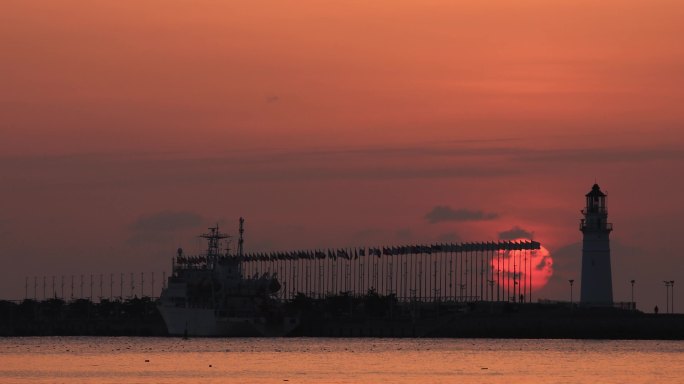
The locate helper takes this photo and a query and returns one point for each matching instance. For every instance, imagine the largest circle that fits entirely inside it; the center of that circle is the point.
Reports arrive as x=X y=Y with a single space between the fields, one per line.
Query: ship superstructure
x=207 y=295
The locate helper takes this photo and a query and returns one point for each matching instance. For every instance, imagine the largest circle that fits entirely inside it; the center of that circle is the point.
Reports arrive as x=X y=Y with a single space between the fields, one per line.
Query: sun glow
x=517 y=272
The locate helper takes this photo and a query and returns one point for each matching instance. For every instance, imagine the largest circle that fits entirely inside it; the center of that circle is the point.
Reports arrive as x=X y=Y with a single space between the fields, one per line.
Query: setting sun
x=523 y=269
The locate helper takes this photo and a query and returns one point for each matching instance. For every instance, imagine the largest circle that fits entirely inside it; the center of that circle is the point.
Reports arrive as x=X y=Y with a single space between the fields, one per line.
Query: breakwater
x=81 y=317
x=385 y=317
x=345 y=315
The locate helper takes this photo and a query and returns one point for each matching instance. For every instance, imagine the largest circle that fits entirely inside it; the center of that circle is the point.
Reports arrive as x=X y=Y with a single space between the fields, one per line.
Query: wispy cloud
x=167 y=221
x=449 y=237
x=515 y=233
x=601 y=155
x=161 y=225
x=445 y=213
x=404 y=234
x=460 y=160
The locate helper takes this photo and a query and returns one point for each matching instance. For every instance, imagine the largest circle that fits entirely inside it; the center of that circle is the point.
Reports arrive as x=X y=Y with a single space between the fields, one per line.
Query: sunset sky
x=128 y=127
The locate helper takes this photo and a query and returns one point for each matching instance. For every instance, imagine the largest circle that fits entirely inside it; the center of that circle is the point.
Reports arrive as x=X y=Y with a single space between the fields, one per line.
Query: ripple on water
x=311 y=360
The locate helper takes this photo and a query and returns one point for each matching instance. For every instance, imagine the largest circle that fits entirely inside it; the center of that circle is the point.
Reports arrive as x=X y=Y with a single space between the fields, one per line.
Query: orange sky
x=337 y=124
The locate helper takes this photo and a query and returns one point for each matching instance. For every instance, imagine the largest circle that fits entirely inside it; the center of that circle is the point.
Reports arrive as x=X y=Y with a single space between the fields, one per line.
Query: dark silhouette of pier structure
x=463 y=272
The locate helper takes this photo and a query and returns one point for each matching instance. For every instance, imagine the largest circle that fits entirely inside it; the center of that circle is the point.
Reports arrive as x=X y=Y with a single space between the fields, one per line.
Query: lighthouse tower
x=597 y=283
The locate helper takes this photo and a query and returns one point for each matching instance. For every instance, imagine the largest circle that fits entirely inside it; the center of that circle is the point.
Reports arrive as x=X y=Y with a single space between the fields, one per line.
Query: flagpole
x=443 y=258
x=434 y=276
x=476 y=270
x=451 y=272
x=508 y=275
x=329 y=263
x=531 y=272
x=464 y=271
x=416 y=272
x=420 y=273
x=467 y=276
x=359 y=272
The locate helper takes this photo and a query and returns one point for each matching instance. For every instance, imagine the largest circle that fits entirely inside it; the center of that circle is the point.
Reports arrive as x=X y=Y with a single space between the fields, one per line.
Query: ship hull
x=204 y=322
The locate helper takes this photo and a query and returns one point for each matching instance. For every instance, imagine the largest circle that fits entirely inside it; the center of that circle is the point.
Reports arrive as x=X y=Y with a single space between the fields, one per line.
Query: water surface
x=315 y=360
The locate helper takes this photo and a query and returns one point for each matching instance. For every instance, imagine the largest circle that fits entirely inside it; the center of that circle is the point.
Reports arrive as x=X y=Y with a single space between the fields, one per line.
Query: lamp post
x=672 y=296
x=633 y=303
x=491 y=289
x=571 y=281
x=667 y=296
x=515 y=287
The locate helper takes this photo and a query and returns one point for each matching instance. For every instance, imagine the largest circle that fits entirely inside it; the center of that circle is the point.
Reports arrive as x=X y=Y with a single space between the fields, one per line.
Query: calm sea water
x=170 y=360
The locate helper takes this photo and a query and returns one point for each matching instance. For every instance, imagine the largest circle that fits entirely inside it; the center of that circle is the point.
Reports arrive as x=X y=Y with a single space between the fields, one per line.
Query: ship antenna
x=241 y=240
x=228 y=247
x=214 y=236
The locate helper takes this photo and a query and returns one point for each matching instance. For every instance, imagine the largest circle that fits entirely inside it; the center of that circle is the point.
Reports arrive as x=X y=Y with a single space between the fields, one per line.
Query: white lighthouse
x=597 y=282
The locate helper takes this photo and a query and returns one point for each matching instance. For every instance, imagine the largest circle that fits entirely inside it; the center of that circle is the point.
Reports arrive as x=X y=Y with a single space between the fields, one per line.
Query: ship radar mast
x=214 y=237
x=241 y=240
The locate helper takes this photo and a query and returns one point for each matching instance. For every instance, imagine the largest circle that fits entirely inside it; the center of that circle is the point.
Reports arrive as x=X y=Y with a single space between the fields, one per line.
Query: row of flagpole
x=453 y=272
x=344 y=253
x=113 y=287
